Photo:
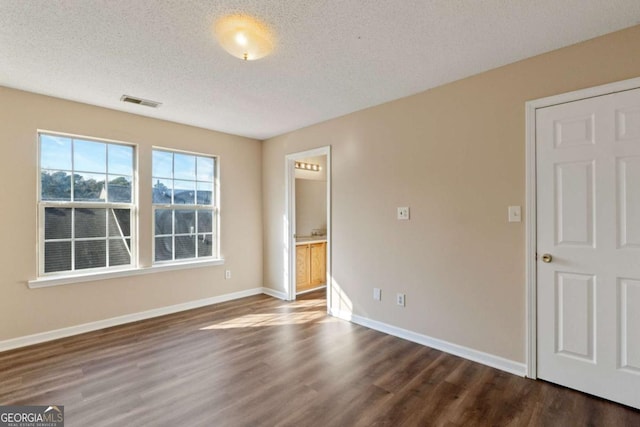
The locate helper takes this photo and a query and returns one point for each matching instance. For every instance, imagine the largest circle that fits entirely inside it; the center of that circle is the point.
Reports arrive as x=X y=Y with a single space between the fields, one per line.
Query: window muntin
x=184 y=206
x=86 y=204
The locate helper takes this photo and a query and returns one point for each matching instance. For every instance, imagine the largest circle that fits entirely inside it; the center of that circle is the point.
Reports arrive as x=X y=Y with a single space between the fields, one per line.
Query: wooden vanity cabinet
x=303 y=267
x=318 y=256
x=311 y=265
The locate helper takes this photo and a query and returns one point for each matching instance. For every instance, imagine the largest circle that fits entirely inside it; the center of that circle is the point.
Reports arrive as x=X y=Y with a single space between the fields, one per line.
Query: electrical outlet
x=403 y=213
x=400 y=299
x=377 y=294
x=227 y=274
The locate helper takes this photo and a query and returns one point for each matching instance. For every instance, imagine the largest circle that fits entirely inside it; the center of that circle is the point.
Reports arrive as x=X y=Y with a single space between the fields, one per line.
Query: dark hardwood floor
x=264 y=362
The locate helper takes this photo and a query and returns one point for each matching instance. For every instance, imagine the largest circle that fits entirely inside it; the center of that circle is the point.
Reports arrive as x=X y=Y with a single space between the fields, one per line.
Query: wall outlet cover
x=403 y=213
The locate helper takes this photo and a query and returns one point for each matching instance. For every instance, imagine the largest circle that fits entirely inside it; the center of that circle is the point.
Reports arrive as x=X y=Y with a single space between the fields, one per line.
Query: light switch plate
x=377 y=294
x=403 y=213
x=515 y=214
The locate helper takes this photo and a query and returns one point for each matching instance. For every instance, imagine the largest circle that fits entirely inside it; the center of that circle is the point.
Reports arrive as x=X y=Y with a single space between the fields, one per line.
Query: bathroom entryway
x=308 y=219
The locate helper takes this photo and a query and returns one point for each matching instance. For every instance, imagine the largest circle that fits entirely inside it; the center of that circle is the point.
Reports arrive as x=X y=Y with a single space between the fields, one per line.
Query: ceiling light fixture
x=244 y=36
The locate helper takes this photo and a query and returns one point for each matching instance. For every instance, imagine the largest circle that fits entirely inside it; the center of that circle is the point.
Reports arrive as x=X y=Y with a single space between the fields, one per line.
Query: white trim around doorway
x=290 y=220
x=530 y=217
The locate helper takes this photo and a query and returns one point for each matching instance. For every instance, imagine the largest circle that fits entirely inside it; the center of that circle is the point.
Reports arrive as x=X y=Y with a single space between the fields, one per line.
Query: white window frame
x=43 y=204
x=214 y=208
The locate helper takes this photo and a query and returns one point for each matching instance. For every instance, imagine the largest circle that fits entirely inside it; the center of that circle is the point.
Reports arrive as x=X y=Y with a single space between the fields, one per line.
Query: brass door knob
x=547 y=258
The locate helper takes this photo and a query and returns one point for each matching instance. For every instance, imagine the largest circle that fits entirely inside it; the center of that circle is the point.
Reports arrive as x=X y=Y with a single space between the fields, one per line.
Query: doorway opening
x=308 y=222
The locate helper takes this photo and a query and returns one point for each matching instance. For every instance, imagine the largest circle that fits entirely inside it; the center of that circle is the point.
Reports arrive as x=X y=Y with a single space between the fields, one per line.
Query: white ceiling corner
x=332 y=57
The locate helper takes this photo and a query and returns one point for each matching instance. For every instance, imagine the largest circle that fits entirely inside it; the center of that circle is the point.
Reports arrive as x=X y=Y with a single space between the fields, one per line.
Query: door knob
x=547 y=258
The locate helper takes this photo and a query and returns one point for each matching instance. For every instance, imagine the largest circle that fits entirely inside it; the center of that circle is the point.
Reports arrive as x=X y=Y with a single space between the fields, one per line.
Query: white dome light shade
x=244 y=37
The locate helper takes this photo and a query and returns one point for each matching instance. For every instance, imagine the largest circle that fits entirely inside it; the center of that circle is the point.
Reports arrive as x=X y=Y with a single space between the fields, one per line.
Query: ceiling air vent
x=140 y=101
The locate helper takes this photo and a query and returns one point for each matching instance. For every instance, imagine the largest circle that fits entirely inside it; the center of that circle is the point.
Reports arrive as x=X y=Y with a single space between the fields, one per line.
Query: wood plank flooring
x=264 y=362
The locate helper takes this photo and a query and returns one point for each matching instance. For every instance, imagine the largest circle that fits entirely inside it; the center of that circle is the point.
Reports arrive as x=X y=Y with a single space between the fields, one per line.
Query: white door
x=588 y=201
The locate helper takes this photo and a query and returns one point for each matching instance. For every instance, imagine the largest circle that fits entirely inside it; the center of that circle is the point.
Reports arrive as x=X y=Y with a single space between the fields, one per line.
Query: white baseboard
x=494 y=361
x=24 y=341
x=274 y=293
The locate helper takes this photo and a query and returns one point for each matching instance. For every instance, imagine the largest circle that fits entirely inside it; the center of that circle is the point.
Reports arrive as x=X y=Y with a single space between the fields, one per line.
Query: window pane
x=205 y=169
x=119 y=252
x=205 y=245
x=162 y=190
x=91 y=254
x=185 y=222
x=89 y=187
x=120 y=159
x=79 y=170
x=162 y=164
x=205 y=193
x=205 y=221
x=55 y=185
x=164 y=221
x=184 y=192
x=89 y=156
x=57 y=223
x=119 y=189
x=185 y=247
x=57 y=256
x=55 y=152
x=184 y=166
x=90 y=223
x=164 y=251
x=181 y=180
x=119 y=222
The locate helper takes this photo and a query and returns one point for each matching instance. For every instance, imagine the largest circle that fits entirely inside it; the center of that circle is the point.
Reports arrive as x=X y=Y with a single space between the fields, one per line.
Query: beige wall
x=456 y=156
x=25 y=311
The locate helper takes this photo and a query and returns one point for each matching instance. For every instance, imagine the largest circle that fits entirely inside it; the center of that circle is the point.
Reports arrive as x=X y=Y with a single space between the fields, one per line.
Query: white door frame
x=530 y=217
x=290 y=219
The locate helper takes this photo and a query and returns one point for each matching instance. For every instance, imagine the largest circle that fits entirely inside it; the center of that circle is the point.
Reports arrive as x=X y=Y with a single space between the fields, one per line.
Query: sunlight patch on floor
x=321 y=303
x=268 y=319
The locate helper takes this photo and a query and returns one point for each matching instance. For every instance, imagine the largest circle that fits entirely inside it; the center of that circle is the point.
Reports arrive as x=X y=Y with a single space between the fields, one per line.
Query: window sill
x=44 y=282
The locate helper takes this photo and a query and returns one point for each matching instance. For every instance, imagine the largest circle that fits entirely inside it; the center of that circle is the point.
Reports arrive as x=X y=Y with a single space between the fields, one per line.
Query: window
x=85 y=204
x=184 y=206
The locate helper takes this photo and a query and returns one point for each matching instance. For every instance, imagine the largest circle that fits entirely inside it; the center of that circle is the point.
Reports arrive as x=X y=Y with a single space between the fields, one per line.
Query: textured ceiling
x=332 y=57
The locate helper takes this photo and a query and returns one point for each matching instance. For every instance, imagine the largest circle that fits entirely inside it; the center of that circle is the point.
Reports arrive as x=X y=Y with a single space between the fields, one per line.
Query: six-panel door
x=588 y=209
